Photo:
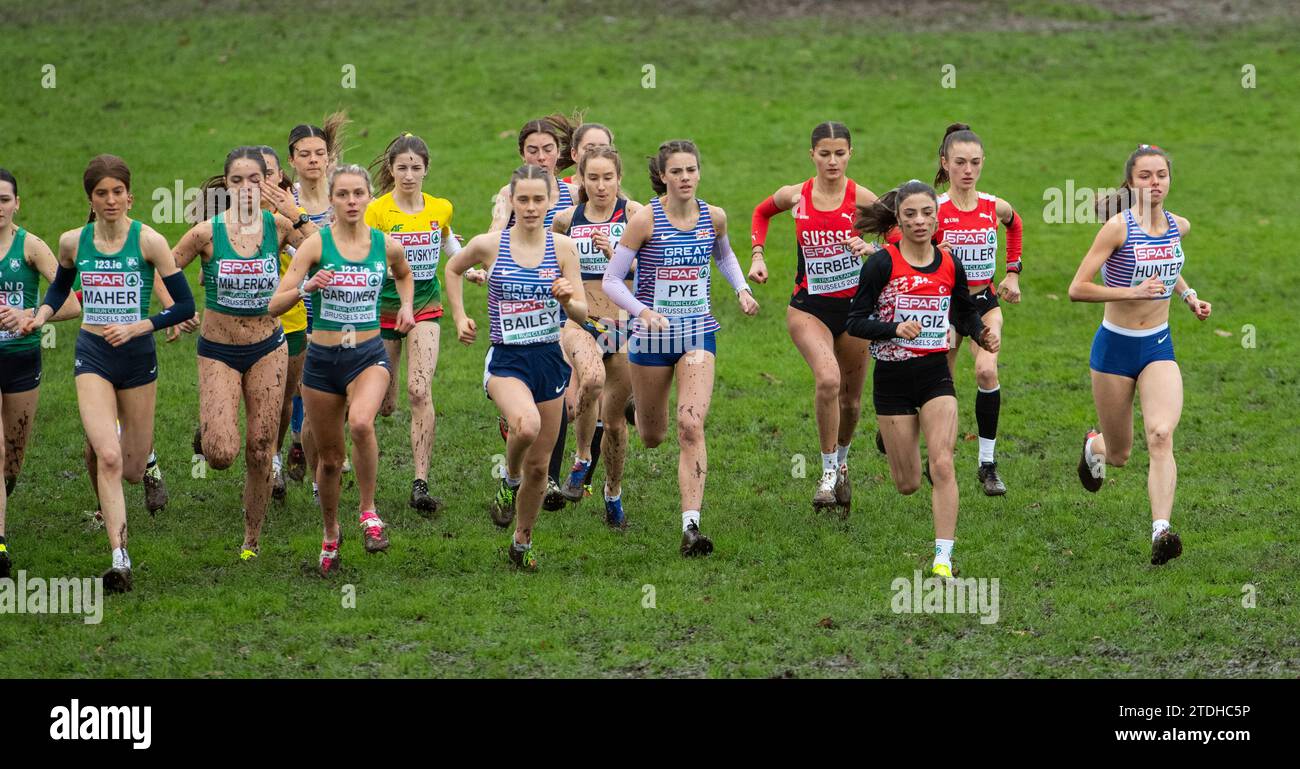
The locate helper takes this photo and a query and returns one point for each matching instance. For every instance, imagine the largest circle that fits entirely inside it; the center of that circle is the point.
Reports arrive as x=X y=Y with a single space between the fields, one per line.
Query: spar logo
x=356 y=280
x=410 y=239
x=110 y=280
x=587 y=230
x=678 y=273
x=248 y=267
x=967 y=237
x=1152 y=253
x=520 y=306
x=909 y=303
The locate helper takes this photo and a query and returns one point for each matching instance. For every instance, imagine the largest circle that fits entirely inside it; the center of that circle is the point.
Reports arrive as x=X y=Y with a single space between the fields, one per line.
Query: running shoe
x=554 y=499
x=420 y=499
x=1091 y=472
x=825 y=495
x=297 y=463
x=6 y=565
x=988 y=475
x=330 y=559
x=843 y=487
x=1165 y=547
x=614 y=517
x=155 y=490
x=694 y=543
x=574 y=489
x=117 y=580
x=277 y=478
x=247 y=553
x=373 y=529
x=943 y=571
x=522 y=557
x=502 y=508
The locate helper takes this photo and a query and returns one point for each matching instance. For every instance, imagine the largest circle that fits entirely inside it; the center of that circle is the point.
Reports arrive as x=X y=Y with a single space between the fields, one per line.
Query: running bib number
x=830 y=268
x=1165 y=261
x=529 y=321
x=352 y=297
x=681 y=291
x=977 y=251
x=247 y=284
x=592 y=260
x=110 y=297
x=423 y=250
x=929 y=311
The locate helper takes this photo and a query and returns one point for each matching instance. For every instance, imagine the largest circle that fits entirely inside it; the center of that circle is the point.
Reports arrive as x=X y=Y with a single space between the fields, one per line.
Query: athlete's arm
x=155 y=251
x=964 y=314
x=60 y=287
x=501 y=209
x=727 y=262
x=871 y=281
x=1109 y=239
x=568 y=288
x=478 y=250
x=400 y=269
x=42 y=258
x=197 y=241
x=289 y=236
x=638 y=231
x=1009 y=288
x=562 y=220
x=781 y=200
x=304 y=258
x=864 y=197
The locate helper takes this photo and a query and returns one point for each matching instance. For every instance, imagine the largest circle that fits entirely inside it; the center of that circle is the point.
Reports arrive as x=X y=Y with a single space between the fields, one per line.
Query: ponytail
x=560 y=128
x=882 y=216
x=1122 y=199
x=660 y=161
x=382 y=166
x=957 y=132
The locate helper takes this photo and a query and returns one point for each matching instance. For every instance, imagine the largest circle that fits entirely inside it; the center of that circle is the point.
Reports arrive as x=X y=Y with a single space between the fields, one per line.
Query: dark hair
x=658 y=162
x=103 y=167
x=213 y=195
x=382 y=166
x=606 y=153
x=882 y=216
x=267 y=149
x=530 y=172
x=1122 y=199
x=957 y=132
x=831 y=130
x=576 y=141
x=5 y=176
x=332 y=133
x=558 y=127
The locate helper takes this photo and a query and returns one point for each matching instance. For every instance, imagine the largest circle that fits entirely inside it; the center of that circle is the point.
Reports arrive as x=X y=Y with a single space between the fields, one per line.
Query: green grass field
x=1058 y=92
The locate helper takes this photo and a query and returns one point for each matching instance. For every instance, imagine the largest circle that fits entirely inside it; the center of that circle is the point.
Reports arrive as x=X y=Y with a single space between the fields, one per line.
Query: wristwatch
x=302 y=219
